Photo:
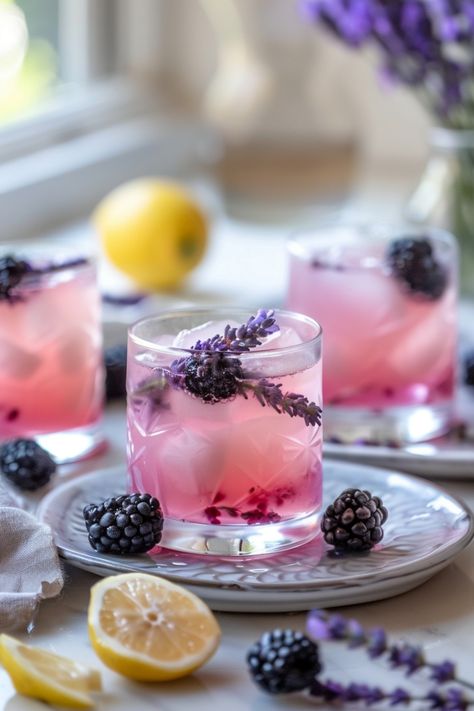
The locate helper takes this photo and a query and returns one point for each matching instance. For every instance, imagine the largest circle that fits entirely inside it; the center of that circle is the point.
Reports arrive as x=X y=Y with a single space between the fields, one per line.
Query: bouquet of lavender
x=427 y=45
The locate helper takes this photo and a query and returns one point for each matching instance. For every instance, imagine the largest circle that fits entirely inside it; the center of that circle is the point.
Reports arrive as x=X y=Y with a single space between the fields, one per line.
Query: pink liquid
x=232 y=462
x=51 y=356
x=383 y=347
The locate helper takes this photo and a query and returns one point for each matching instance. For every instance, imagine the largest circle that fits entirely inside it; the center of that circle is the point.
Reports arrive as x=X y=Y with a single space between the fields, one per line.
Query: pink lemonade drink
x=51 y=380
x=387 y=302
x=224 y=428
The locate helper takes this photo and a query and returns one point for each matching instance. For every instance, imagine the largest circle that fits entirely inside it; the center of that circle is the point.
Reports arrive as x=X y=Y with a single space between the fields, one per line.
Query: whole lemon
x=153 y=231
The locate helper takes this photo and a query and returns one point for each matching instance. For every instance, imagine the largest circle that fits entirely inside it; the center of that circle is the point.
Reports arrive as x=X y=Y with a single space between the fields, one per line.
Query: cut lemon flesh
x=149 y=629
x=49 y=677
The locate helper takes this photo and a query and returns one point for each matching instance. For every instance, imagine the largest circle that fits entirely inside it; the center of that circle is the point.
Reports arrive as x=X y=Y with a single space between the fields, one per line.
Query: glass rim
x=78 y=258
x=224 y=311
x=376 y=230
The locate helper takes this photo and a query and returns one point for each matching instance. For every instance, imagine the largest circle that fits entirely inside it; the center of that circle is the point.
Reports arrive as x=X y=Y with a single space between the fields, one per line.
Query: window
x=49 y=49
x=60 y=61
x=76 y=113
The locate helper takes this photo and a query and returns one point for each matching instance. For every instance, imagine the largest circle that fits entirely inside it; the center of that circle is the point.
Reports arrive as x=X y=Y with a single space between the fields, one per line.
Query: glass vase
x=445 y=195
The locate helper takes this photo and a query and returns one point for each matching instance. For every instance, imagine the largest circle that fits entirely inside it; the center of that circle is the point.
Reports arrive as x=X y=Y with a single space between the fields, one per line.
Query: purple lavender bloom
x=399 y=696
x=377 y=644
x=356 y=634
x=317 y=626
x=443 y=672
x=407 y=656
x=425 y=44
x=452 y=699
x=320 y=625
x=243 y=338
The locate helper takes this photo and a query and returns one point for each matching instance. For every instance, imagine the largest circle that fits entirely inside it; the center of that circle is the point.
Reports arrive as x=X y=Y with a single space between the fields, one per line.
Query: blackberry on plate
x=212 y=376
x=12 y=272
x=115 y=362
x=354 y=521
x=124 y=525
x=25 y=464
x=412 y=261
x=283 y=661
x=469 y=368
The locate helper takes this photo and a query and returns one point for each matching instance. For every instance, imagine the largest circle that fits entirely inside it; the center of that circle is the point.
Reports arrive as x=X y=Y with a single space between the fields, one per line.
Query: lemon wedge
x=149 y=629
x=46 y=676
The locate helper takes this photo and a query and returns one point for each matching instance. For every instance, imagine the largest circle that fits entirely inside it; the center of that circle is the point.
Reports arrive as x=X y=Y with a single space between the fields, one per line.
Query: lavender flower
x=292 y=404
x=425 y=44
x=409 y=658
x=243 y=338
x=452 y=699
x=446 y=671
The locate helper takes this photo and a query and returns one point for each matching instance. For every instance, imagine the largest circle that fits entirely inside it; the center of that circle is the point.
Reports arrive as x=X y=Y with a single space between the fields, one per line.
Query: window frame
x=82 y=143
x=105 y=52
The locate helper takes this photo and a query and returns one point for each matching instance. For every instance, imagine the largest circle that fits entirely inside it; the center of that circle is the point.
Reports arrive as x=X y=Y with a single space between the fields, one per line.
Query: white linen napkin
x=29 y=564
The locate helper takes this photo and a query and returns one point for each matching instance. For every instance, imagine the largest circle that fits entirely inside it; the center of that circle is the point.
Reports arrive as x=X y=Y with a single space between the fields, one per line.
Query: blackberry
x=469 y=368
x=125 y=525
x=12 y=272
x=354 y=521
x=115 y=362
x=212 y=376
x=412 y=261
x=283 y=661
x=27 y=465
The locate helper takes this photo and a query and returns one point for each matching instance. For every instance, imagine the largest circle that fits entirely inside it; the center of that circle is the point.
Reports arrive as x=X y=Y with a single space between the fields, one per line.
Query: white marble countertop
x=439 y=615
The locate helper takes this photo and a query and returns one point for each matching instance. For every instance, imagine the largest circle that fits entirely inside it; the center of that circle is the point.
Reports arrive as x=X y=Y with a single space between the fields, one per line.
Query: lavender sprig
x=292 y=404
x=410 y=658
x=242 y=338
x=451 y=699
x=425 y=45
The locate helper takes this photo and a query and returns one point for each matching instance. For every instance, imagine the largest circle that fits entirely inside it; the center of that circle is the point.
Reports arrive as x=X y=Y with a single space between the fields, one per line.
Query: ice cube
x=188 y=337
x=77 y=348
x=43 y=316
x=15 y=362
x=191 y=464
x=424 y=347
x=284 y=338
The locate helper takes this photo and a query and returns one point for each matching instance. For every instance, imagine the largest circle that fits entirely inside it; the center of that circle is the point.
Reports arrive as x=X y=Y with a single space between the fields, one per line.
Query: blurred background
x=269 y=121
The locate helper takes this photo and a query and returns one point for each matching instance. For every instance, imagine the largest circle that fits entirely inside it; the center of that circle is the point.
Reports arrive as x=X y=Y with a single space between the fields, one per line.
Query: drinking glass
x=51 y=377
x=229 y=442
x=387 y=300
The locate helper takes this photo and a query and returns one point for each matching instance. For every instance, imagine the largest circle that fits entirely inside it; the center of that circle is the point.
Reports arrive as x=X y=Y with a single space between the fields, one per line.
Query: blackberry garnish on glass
x=224 y=416
x=413 y=262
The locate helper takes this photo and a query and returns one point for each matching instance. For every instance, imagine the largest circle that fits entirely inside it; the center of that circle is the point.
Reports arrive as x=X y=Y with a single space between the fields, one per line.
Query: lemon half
x=149 y=629
x=46 y=676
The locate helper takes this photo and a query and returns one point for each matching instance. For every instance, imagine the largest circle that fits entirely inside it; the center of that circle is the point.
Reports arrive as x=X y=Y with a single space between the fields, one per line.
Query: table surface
x=438 y=615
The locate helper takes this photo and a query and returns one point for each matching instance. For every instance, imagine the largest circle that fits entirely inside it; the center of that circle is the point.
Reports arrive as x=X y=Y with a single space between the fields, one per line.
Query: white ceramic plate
x=426 y=528
x=450 y=457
